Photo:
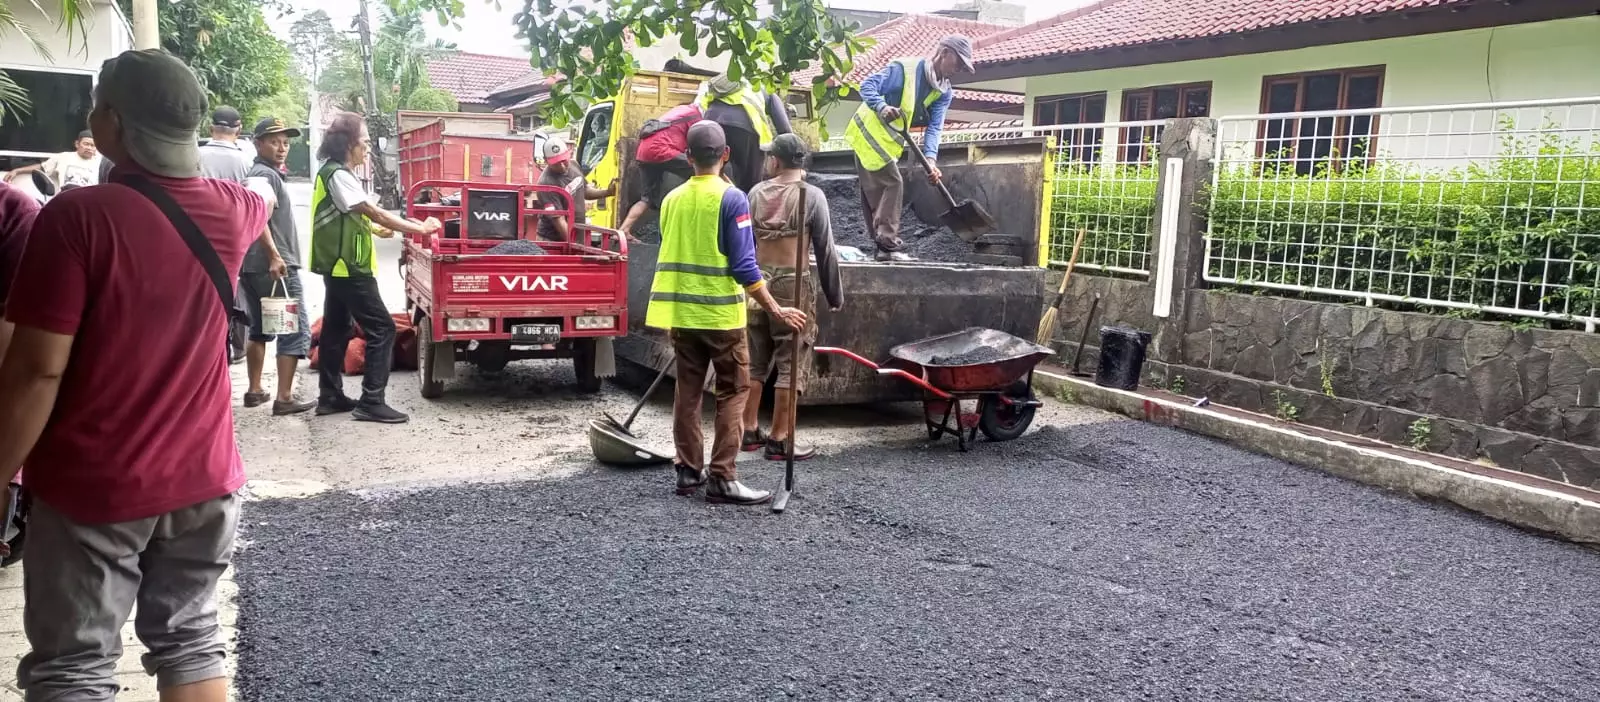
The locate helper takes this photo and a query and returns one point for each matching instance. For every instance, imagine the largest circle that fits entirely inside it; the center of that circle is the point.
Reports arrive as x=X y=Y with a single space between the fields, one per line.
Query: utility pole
x=146 y=24
x=377 y=124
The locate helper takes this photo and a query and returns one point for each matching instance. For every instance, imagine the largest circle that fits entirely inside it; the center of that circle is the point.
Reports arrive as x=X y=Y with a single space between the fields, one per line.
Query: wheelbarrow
x=989 y=368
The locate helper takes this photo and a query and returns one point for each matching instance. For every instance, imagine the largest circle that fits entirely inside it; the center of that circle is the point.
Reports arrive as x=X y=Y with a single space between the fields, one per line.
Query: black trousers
x=746 y=162
x=355 y=299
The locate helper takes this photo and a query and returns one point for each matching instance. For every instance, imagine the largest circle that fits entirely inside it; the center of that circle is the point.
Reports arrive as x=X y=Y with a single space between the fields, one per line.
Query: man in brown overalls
x=775 y=207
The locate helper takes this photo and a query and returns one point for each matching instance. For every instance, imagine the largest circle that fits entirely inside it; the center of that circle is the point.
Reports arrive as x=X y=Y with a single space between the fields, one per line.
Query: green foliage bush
x=1520 y=232
x=1114 y=204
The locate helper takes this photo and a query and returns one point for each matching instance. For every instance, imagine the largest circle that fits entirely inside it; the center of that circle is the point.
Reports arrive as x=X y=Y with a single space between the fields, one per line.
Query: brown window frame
x=1081 y=145
x=1341 y=132
x=1133 y=138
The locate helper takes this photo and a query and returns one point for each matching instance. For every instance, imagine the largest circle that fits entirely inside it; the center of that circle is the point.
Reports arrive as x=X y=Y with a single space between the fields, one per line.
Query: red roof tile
x=1113 y=23
x=914 y=35
x=472 y=77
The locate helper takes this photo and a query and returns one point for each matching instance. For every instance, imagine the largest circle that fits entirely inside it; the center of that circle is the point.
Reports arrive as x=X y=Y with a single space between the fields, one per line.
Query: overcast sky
x=487 y=31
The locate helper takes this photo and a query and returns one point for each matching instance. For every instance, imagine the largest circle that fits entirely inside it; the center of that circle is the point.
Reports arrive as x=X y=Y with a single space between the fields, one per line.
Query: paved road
x=1095 y=559
x=478 y=553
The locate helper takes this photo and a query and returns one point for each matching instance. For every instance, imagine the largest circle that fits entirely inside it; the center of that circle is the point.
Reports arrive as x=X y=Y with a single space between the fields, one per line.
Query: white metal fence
x=1103 y=181
x=1484 y=207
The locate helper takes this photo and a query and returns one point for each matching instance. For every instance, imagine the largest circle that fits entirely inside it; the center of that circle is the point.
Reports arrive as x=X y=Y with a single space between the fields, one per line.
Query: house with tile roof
x=1132 y=60
x=917 y=36
x=473 y=78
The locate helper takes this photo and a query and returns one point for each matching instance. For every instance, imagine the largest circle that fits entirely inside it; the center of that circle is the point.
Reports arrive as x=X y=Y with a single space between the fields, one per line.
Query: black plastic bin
x=1121 y=357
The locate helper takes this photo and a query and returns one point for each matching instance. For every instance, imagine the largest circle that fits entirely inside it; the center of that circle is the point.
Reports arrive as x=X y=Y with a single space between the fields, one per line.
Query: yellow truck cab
x=607 y=135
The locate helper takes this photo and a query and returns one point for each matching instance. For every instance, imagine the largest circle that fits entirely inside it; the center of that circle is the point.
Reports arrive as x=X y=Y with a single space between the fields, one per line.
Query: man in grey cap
x=222 y=157
x=704 y=271
x=907 y=93
x=127 y=427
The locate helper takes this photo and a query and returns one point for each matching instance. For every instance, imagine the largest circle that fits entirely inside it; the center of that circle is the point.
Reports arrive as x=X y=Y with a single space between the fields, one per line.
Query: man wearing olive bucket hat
x=127 y=427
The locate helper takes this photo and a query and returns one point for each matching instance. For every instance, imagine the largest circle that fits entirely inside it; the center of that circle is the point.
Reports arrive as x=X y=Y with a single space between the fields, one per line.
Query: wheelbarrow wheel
x=1000 y=421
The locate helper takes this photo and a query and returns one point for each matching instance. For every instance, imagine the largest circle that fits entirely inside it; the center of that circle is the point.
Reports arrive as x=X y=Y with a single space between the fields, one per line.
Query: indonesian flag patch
x=743 y=221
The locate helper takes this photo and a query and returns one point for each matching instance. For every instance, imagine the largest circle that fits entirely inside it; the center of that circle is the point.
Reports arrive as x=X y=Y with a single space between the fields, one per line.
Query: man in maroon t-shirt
x=125 y=425
x=17 y=210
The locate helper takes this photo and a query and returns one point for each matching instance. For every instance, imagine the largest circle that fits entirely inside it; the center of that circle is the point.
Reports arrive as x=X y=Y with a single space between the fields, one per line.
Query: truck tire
x=1002 y=422
x=426 y=350
x=583 y=364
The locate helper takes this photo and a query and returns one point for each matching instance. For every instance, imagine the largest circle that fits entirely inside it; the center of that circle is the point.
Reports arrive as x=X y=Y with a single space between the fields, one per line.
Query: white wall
x=1547 y=60
x=108 y=35
x=1556 y=59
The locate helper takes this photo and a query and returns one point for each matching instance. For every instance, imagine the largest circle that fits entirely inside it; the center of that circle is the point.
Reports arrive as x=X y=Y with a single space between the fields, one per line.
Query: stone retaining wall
x=1522 y=399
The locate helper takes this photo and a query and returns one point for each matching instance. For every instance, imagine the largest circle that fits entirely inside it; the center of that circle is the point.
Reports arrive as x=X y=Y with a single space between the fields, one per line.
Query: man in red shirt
x=17 y=210
x=663 y=160
x=125 y=425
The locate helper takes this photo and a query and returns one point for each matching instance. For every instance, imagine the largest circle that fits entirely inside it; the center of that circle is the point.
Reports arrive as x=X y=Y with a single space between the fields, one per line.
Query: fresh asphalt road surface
x=479 y=553
x=1106 y=560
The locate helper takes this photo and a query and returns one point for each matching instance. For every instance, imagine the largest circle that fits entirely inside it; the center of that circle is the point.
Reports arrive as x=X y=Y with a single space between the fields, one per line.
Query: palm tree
x=70 y=19
x=400 y=55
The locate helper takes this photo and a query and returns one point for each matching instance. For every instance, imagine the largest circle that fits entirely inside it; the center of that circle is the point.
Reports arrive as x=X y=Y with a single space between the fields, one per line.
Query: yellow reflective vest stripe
x=876 y=144
x=754 y=105
x=693 y=288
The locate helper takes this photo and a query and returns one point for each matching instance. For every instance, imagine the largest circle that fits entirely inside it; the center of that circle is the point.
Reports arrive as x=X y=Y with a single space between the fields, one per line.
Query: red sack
x=355 y=354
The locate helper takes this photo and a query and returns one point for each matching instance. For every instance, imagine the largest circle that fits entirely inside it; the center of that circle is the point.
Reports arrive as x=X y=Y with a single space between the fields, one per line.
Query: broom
x=1047 y=326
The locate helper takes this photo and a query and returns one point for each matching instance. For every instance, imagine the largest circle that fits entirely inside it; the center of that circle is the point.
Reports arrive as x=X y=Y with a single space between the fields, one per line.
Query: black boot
x=689 y=480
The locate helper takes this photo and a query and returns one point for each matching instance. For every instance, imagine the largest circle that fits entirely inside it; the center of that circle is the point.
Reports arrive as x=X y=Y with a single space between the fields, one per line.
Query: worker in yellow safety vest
x=750 y=119
x=706 y=266
x=908 y=93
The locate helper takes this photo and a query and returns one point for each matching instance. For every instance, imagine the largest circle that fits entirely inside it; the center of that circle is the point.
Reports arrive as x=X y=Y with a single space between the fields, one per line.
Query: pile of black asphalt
x=1111 y=561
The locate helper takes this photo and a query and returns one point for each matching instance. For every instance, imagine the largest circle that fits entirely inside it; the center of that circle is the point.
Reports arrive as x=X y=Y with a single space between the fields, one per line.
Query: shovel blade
x=614 y=446
x=969 y=220
x=780 y=500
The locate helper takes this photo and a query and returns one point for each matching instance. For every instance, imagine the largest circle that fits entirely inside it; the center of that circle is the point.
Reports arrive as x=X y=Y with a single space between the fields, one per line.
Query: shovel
x=614 y=444
x=966 y=218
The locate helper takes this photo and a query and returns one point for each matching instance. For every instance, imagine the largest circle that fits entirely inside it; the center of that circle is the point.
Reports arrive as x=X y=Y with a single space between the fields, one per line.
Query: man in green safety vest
x=706 y=266
x=908 y=93
x=750 y=119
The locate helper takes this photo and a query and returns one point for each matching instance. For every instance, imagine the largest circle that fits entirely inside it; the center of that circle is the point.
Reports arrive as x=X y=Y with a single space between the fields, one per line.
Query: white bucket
x=279 y=315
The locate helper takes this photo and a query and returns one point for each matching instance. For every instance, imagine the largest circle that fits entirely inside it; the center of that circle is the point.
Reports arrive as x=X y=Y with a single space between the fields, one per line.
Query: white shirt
x=347 y=192
x=69 y=168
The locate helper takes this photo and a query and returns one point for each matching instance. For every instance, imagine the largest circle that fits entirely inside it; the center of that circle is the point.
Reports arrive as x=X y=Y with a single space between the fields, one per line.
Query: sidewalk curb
x=1568 y=516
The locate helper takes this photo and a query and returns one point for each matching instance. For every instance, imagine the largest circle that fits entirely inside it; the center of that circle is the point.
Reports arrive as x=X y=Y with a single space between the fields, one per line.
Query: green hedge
x=1115 y=205
x=1529 y=220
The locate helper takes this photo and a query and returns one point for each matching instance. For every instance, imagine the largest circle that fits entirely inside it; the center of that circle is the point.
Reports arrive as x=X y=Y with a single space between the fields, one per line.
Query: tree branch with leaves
x=765 y=42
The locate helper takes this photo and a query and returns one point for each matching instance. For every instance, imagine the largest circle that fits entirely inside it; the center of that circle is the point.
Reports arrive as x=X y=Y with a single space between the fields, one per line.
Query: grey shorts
x=253 y=287
x=80 y=581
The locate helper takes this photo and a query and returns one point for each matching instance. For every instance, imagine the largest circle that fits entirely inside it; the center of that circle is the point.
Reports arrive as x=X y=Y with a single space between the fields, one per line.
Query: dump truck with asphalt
x=996 y=282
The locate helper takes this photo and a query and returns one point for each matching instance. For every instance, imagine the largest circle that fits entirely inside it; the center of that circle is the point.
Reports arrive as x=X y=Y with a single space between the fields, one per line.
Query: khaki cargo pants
x=80 y=581
x=772 y=341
